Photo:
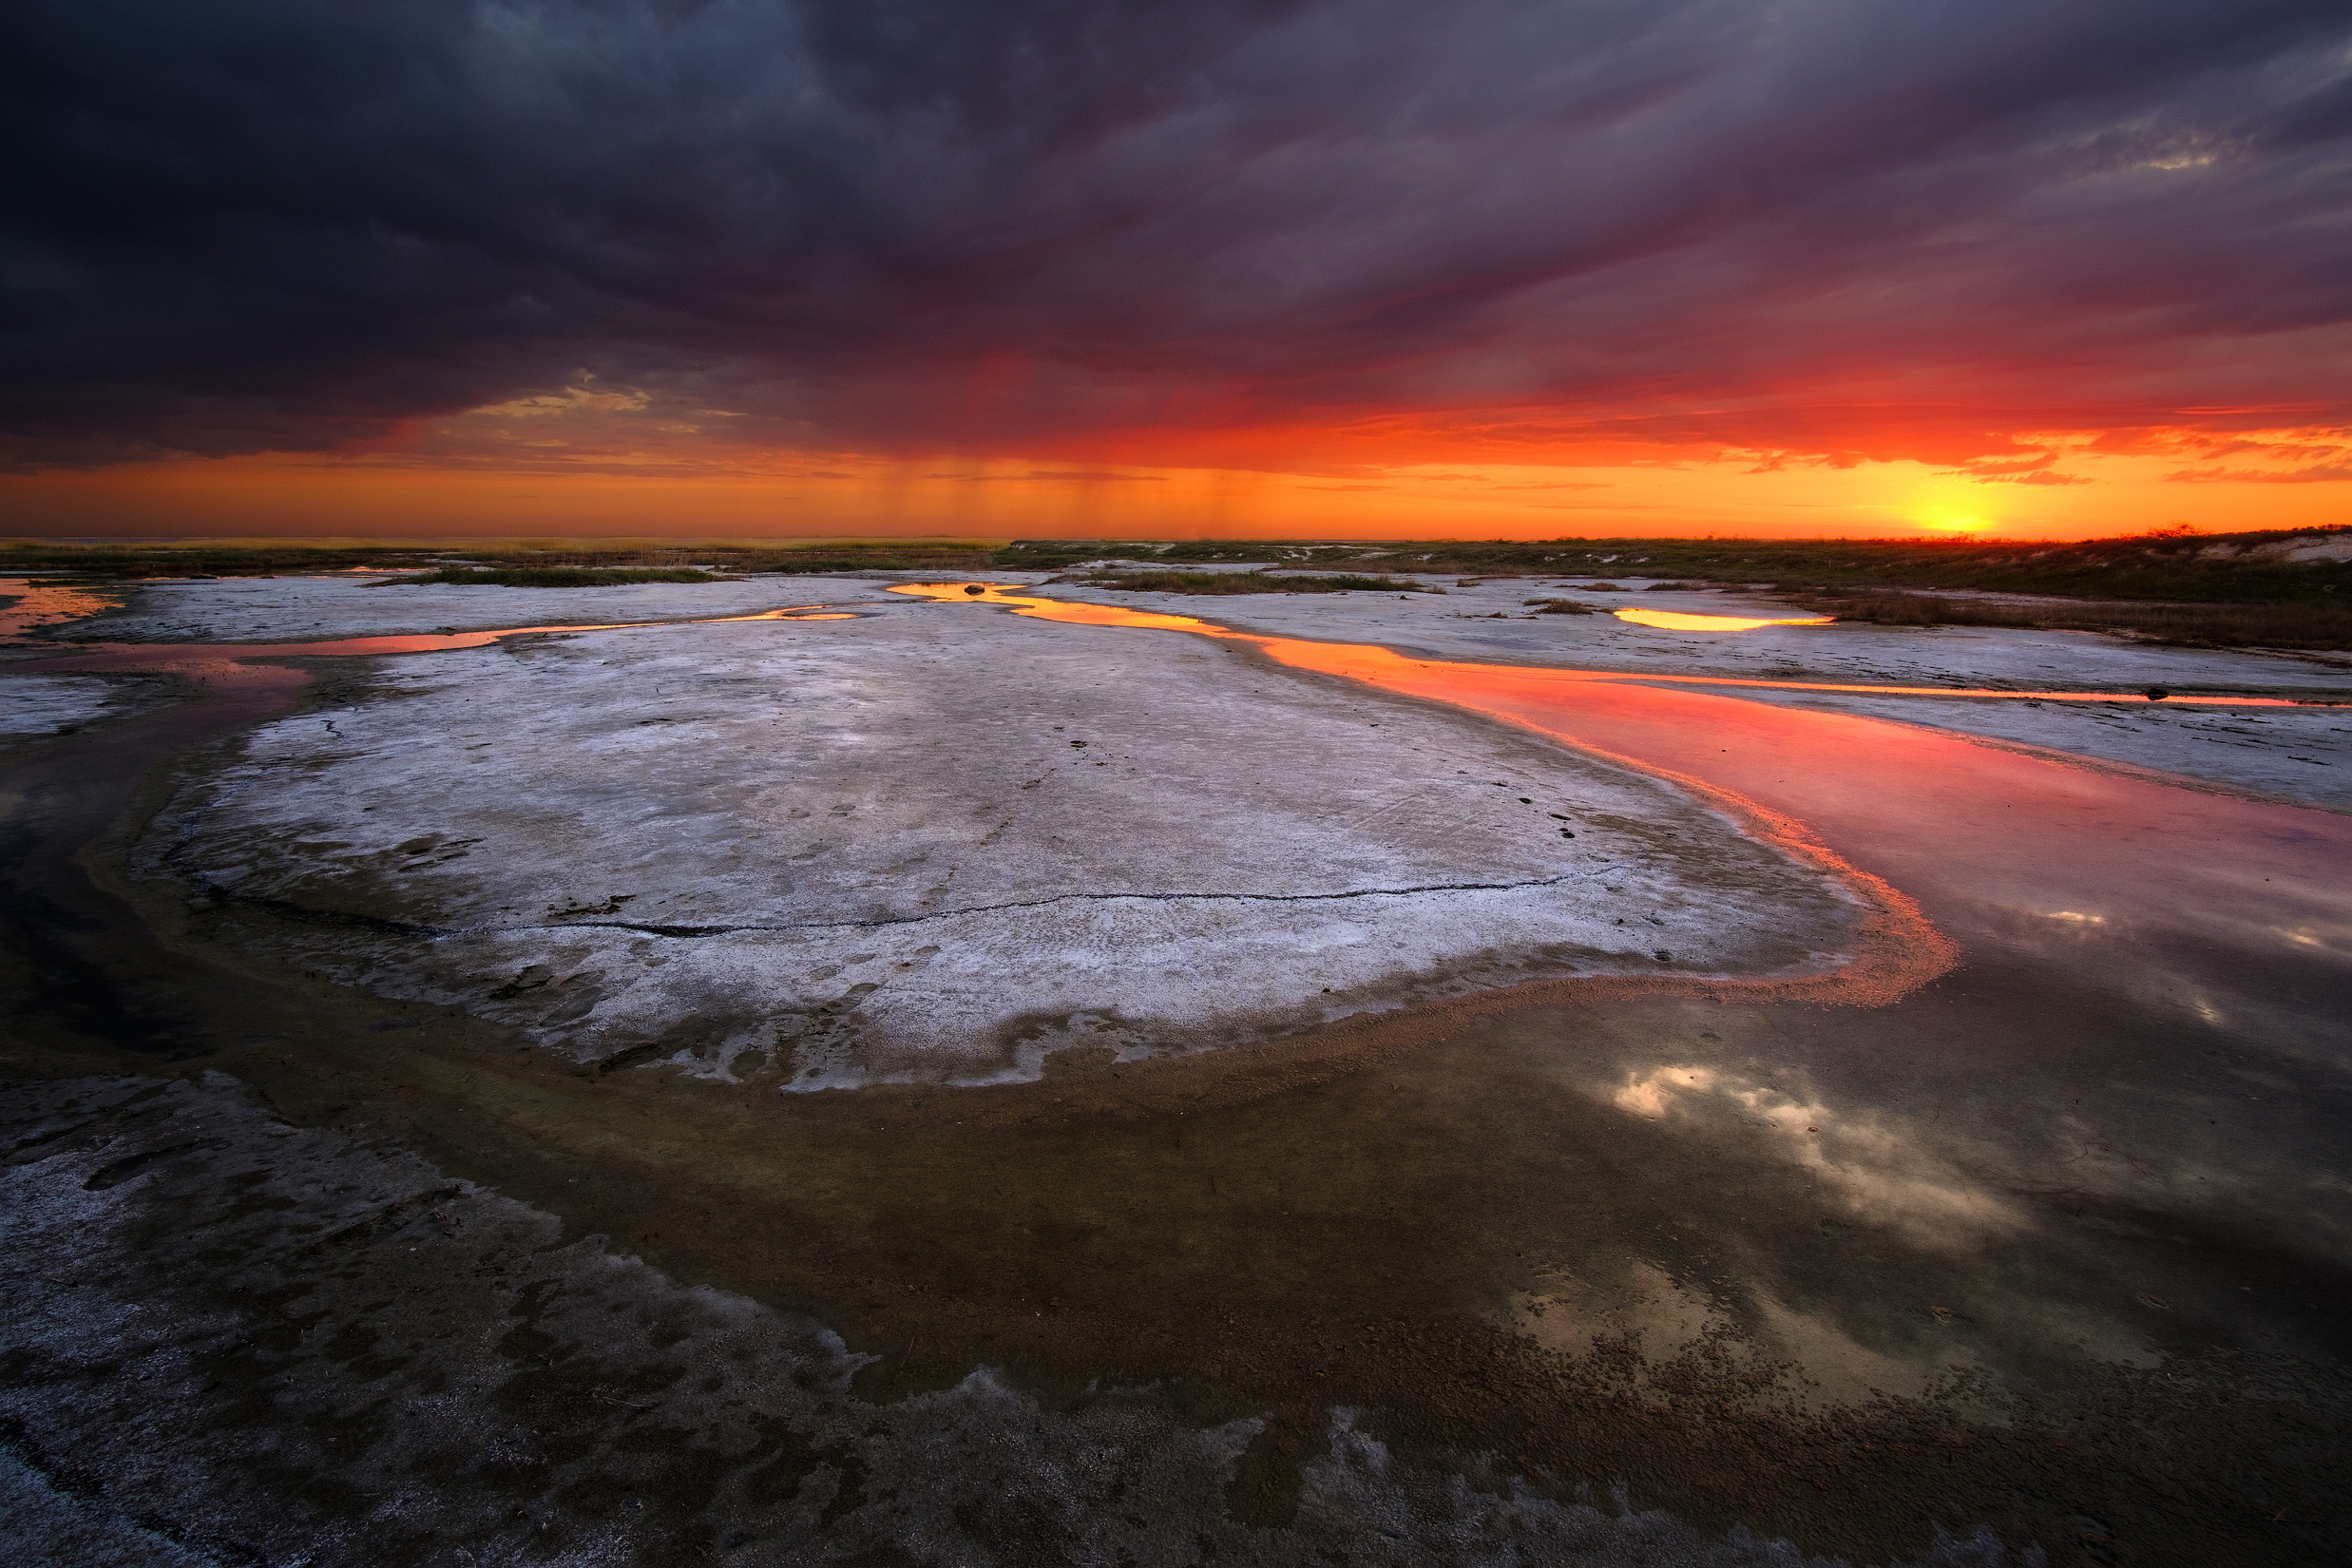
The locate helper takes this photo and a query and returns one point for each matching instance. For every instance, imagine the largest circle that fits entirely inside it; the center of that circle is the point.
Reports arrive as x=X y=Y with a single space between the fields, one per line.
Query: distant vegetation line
x=2245 y=567
x=2267 y=589
x=2248 y=567
x=557 y=577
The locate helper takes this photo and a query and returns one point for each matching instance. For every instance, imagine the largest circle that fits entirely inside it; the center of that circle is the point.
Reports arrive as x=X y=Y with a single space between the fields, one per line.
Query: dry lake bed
x=890 y=1071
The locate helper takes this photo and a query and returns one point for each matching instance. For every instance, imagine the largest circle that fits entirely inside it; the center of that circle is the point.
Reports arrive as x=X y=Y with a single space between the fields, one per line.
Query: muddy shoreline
x=1362 y=1219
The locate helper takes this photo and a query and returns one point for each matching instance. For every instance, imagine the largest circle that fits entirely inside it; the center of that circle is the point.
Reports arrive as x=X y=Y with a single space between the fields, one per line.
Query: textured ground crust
x=940 y=842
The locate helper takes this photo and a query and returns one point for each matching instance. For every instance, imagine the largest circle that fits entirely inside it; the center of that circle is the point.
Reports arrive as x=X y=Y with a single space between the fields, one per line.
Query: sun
x=1951 y=523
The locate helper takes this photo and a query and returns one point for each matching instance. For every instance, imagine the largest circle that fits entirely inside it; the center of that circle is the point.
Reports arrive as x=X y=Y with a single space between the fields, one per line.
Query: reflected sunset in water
x=1677 y=621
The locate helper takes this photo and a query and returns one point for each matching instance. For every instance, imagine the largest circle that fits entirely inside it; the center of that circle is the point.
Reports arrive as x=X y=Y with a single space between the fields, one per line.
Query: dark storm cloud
x=1873 y=229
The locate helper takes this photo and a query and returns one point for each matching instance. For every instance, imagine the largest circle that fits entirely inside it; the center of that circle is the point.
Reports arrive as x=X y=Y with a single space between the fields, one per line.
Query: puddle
x=1675 y=620
x=38 y=604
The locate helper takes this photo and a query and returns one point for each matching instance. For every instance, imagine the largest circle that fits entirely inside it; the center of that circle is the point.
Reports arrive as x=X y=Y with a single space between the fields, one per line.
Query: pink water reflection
x=1982 y=837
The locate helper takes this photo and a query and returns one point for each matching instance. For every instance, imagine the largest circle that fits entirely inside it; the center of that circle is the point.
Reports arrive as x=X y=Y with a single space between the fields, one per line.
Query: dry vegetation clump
x=2290 y=625
x=1559 y=606
x=1238 y=583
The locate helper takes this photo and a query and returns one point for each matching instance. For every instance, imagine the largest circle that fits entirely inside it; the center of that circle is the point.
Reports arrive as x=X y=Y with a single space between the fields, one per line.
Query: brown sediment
x=1271 y=1235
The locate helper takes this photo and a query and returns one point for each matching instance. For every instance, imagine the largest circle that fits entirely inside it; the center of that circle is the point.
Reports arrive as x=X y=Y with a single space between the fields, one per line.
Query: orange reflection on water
x=789 y=612
x=1071 y=611
x=40 y=604
x=1675 y=620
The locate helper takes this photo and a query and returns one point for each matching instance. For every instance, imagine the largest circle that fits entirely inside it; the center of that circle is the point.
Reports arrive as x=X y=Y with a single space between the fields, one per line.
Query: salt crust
x=35 y=706
x=939 y=842
x=43 y=704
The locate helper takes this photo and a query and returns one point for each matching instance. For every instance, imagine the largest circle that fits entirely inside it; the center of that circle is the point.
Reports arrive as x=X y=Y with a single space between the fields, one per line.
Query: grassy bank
x=2198 y=568
x=2302 y=625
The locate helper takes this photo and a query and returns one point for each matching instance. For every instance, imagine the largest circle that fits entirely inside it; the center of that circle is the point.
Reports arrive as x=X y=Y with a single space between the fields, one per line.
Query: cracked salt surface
x=938 y=843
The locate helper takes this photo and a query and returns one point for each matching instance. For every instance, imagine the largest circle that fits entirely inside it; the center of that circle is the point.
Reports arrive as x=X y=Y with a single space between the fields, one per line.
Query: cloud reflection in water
x=1885 y=1172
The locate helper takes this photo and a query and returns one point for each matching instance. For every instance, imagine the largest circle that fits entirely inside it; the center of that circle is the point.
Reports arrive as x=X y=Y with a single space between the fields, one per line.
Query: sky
x=1300 y=268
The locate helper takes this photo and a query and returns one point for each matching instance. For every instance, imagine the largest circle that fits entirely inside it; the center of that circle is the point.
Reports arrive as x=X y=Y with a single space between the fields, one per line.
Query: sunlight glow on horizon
x=579 y=487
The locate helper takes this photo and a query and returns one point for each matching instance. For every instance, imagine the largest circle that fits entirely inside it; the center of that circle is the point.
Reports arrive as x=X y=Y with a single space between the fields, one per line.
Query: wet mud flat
x=354 y=1278
x=1345 y=1308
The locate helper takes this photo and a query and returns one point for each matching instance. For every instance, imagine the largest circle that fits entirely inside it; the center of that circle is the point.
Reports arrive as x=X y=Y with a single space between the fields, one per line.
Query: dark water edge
x=1262 y=1244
